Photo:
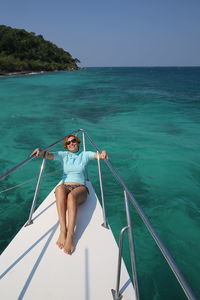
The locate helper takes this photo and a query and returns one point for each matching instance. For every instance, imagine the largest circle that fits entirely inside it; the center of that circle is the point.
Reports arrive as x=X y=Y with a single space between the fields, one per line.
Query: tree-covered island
x=21 y=51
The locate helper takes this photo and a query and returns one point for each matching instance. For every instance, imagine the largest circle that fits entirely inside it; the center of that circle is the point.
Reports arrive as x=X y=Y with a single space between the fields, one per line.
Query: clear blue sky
x=114 y=32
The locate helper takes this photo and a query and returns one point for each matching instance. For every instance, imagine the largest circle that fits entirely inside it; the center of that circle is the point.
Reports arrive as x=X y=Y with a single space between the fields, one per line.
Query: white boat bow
x=33 y=267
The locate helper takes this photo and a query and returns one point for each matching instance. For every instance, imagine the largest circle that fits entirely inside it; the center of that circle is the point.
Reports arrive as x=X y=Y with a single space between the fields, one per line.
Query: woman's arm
x=39 y=153
x=102 y=155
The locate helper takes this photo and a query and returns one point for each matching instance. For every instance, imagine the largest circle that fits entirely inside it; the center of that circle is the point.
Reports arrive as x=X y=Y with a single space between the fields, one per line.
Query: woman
x=72 y=191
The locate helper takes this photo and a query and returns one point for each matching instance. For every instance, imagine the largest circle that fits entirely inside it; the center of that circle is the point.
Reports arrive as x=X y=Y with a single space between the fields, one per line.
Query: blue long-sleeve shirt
x=74 y=164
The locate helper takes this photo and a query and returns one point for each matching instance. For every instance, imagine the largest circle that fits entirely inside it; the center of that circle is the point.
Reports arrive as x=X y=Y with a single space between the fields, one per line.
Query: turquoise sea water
x=148 y=119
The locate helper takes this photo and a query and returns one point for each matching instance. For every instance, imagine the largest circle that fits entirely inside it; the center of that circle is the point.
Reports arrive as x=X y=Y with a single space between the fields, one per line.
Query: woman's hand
x=102 y=155
x=36 y=152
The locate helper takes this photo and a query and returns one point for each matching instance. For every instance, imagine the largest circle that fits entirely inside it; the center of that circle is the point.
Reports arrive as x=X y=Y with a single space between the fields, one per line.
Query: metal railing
x=128 y=197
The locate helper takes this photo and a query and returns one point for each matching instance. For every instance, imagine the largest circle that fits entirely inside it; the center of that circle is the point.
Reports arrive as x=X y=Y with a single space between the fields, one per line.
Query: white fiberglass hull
x=32 y=267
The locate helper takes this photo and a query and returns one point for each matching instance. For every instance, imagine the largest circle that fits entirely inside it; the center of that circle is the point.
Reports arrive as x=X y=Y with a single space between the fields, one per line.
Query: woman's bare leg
x=61 y=203
x=74 y=198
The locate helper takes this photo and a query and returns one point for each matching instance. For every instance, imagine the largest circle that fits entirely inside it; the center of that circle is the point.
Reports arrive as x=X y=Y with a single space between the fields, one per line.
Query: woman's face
x=72 y=144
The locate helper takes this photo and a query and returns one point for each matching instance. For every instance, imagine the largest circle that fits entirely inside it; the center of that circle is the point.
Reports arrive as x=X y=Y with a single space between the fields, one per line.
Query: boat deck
x=32 y=267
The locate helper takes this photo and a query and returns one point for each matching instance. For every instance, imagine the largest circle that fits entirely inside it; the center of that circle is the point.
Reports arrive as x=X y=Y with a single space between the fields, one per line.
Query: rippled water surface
x=149 y=121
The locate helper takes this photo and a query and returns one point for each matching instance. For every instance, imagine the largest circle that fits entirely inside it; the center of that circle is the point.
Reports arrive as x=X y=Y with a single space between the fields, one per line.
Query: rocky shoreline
x=35 y=72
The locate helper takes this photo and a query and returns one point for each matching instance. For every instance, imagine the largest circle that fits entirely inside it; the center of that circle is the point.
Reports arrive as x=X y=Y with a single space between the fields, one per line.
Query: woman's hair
x=67 y=137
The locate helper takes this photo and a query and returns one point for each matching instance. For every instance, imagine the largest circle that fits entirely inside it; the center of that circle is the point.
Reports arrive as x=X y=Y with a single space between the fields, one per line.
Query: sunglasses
x=71 y=141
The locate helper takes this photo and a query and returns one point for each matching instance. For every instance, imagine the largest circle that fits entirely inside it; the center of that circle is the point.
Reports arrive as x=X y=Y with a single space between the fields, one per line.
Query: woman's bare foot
x=61 y=239
x=69 y=244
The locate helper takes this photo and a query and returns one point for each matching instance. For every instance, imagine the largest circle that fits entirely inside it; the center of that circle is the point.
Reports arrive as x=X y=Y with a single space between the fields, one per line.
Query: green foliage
x=23 y=51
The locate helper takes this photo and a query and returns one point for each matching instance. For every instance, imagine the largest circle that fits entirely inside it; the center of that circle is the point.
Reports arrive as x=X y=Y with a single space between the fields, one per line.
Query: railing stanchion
x=84 y=144
x=105 y=224
x=116 y=294
x=30 y=221
x=84 y=149
x=131 y=246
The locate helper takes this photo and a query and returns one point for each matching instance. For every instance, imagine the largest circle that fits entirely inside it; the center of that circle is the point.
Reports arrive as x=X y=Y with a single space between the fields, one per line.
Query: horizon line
x=141 y=66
